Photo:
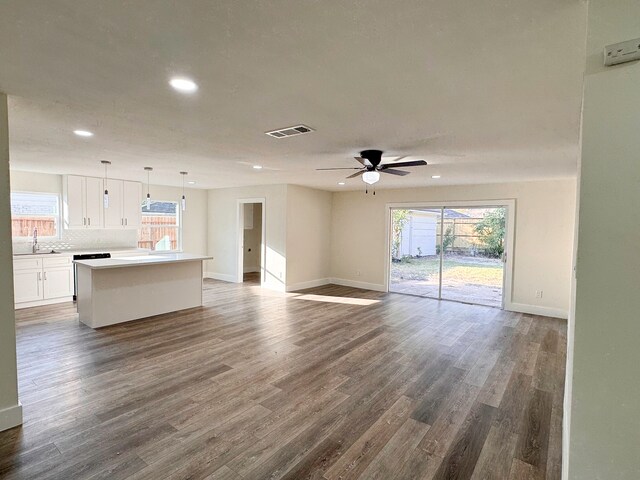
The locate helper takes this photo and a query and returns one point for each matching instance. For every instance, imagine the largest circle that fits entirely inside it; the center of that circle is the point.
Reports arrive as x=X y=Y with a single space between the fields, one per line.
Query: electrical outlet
x=357 y=273
x=538 y=293
x=622 y=52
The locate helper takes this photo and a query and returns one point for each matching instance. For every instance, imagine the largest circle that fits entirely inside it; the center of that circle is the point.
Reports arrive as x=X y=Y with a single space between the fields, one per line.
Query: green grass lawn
x=455 y=269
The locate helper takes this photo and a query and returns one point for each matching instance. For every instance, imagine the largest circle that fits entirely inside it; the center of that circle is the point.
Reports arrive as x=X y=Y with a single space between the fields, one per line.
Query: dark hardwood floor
x=332 y=383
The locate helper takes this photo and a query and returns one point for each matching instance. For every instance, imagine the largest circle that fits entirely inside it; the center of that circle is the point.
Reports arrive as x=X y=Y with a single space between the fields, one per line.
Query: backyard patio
x=464 y=278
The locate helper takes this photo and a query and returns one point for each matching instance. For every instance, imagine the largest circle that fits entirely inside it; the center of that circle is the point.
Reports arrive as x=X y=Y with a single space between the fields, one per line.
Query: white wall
x=10 y=410
x=223 y=232
x=308 y=237
x=194 y=228
x=545 y=213
x=605 y=414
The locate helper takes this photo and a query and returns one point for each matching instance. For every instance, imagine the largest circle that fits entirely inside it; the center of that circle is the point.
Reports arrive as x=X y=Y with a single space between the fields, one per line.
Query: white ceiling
x=485 y=91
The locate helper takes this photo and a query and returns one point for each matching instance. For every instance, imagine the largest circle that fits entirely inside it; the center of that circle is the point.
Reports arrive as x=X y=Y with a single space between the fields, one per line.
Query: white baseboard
x=537 y=310
x=364 y=285
x=225 y=277
x=253 y=269
x=39 y=303
x=310 y=284
x=11 y=417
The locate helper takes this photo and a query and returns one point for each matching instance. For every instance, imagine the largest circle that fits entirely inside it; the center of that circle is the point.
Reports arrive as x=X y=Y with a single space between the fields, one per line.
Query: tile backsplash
x=83 y=239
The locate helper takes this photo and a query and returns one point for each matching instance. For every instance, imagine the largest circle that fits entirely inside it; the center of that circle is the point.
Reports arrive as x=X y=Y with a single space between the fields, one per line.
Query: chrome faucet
x=35 y=241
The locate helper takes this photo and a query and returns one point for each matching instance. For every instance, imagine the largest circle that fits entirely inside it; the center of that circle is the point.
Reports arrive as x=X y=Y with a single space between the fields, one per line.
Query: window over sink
x=30 y=211
x=161 y=228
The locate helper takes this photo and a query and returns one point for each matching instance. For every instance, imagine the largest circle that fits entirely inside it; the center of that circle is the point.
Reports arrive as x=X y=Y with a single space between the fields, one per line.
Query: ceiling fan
x=372 y=166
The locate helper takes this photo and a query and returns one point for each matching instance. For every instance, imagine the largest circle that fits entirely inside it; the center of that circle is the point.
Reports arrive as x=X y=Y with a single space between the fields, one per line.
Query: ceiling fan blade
x=356 y=174
x=393 y=171
x=396 y=159
x=340 y=168
x=413 y=163
x=363 y=161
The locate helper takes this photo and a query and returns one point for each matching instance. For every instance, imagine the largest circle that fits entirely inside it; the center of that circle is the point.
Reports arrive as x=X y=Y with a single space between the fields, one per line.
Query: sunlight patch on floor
x=343 y=300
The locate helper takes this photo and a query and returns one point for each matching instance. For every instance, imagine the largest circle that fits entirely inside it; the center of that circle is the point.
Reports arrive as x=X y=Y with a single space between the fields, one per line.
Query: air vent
x=290 y=131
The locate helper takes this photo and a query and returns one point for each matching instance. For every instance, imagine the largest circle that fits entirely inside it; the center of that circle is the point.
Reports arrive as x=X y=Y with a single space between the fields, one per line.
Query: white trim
x=240 y=239
x=310 y=284
x=509 y=204
x=364 y=285
x=11 y=417
x=537 y=310
x=39 y=303
x=225 y=277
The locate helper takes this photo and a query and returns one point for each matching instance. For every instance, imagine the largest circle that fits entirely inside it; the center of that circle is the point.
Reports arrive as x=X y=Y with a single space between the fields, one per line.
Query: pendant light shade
x=147 y=202
x=184 y=199
x=105 y=198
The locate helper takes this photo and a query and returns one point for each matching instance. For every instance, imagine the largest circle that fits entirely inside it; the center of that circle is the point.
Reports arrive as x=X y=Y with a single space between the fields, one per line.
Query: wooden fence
x=463 y=234
x=24 y=226
x=155 y=228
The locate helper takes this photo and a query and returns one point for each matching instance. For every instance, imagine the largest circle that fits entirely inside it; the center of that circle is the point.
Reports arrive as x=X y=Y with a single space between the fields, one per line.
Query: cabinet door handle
x=89 y=219
x=84 y=221
x=39 y=276
x=122 y=221
x=45 y=275
x=126 y=222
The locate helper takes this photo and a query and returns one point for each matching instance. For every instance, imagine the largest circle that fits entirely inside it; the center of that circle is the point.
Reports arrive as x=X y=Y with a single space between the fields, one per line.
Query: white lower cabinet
x=27 y=285
x=36 y=280
x=57 y=282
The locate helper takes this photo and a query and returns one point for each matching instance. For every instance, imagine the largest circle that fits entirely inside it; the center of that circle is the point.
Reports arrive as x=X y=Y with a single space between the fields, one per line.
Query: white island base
x=112 y=291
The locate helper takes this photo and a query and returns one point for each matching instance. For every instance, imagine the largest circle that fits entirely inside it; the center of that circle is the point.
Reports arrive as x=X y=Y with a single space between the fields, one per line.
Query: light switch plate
x=623 y=52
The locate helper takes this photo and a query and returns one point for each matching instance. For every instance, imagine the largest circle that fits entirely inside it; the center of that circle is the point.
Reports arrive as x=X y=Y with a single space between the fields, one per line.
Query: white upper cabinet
x=74 y=216
x=132 y=204
x=113 y=217
x=83 y=199
x=94 y=202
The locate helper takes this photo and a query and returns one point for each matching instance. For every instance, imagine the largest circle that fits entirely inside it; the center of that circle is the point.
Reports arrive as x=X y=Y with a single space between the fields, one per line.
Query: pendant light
x=105 y=198
x=147 y=202
x=184 y=199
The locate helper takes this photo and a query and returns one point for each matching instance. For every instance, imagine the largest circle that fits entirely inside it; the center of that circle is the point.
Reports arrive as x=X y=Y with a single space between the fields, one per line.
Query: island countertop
x=140 y=260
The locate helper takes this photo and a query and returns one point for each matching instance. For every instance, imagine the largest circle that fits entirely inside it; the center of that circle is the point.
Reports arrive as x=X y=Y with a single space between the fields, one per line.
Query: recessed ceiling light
x=257 y=167
x=83 y=133
x=184 y=85
x=435 y=176
x=341 y=183
x=191 y=182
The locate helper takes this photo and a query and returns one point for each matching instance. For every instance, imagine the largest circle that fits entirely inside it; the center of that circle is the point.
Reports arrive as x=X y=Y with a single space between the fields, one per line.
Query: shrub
x=491 y=230
x=400 y=218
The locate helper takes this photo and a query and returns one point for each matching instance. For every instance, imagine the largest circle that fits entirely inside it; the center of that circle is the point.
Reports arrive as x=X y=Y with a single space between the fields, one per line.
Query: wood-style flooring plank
x=328 y=383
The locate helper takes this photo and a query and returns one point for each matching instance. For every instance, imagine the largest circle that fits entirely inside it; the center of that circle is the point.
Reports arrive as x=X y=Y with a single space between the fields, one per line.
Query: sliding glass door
x=415 y=251
x=449 y=253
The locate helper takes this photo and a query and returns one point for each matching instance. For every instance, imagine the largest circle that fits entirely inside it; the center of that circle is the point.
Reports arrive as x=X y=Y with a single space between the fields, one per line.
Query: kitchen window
x=31 y=211
x=161 y=228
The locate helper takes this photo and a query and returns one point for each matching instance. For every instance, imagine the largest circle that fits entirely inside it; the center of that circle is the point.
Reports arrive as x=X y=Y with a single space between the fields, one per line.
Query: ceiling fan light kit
x=370 y=177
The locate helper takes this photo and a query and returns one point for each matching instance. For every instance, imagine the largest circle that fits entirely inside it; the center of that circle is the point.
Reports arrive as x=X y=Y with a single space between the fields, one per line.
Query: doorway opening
x=251 y=241
x=451 y=253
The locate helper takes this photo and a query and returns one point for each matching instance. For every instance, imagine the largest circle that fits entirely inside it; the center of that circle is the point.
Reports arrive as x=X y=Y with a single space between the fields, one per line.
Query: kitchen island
x=116 y=290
